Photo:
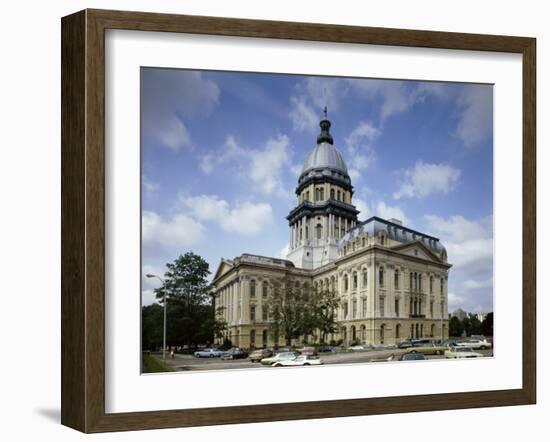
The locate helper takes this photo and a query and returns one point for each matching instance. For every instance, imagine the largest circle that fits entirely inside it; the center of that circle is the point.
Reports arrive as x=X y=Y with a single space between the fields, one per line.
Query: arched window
x=264 y=289
x=321 y=194
x=307 y=232
x=363 y=241
x=397 y=307
x=382 y=240
x=354 y=280
x=441 y=286
x=319 y=231
x=252 y=288
x=365 y=277
x=307 y=196
x=354 y=309
x=346 y=283
x=338 y=197
x=332 y=193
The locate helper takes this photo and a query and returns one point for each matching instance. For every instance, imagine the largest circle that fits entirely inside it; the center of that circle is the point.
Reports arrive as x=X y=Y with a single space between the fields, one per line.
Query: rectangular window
x=381 y=277
x=345 y=309
x=382 y=307
x=396 y=280
x=252 y=312
x=264 y=313
x=365 y=278
x=355 y=280
x=264 y=291
x=397 y=307
x=354 y=309
x=364 y=307
x=253 y=289
x=431 y=309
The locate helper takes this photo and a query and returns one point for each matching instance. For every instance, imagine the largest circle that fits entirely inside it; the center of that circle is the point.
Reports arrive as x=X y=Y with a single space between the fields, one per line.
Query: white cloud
x=302 y=115
x=469 y=243
x=386 y=212
x=283 y=252
x=168 y=95
x=424 y=179
x=363 y=208
x=476 y=118
x=359 y=146
x=459 y=229
x=180 y=230
x=264 y=167
x=478 y=284
x=395 y=95
x=244 y=218
x=455 y=301
x=326 y=92
x=148 y=185
x=268 y=163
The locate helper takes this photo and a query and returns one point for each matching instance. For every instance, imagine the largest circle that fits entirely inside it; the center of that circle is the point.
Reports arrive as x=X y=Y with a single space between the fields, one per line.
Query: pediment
x=224 y=267
x=418 y=250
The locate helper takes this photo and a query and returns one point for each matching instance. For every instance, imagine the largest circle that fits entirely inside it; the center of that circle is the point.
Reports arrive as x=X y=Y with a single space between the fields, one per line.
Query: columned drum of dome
x=324 y=210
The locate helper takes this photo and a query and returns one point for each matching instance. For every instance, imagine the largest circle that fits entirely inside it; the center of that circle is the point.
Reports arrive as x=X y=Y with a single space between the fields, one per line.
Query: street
x=190 y=363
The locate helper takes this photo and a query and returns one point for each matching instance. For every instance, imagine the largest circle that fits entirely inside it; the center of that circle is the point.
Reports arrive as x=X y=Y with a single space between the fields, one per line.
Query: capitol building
x=391 y=281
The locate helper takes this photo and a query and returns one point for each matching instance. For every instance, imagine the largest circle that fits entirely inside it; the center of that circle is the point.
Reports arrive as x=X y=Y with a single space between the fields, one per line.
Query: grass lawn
x=154 y=365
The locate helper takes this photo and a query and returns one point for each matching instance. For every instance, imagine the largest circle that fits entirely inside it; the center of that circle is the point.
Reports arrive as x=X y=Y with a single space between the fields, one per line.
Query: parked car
x=208 y=353
x=283 y=356
x=325 y=349
x=235 y=353
x=429 y=349
x=412 y=357
x=262 y=353
x=475 y=344
x=420 y=342
x=298 y=361
x=308 y=351
x=458 y=352
x=357 y=348
x=384 y=346
x=405 y=344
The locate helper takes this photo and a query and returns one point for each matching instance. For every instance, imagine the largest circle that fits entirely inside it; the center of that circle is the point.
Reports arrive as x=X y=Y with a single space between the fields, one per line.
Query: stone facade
x=391 y=280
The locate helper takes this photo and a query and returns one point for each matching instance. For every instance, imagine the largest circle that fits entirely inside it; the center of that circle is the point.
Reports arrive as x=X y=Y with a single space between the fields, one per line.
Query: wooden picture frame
x=83 y=220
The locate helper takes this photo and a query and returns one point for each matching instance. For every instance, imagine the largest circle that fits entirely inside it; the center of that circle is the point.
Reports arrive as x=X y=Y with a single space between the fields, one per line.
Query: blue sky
x=222 y=151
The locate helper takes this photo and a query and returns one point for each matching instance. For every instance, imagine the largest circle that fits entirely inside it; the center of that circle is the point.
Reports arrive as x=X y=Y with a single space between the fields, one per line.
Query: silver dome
x=325 y=155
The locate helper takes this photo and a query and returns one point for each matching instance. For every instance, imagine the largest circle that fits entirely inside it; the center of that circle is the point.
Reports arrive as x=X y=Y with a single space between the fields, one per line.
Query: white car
x=357 y=348
x=475 y=344
x=461 y=353
x=299 y=361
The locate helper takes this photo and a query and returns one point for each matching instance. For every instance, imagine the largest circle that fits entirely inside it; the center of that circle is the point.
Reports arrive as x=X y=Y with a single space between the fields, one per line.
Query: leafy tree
x=455 y=327
x=487 y=325
x=191 y=318
x=151 y=326
x=288 y=310
x=325 y=306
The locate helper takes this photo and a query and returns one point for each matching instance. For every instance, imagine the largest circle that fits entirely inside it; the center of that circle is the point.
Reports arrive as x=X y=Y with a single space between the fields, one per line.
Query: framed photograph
x=267 y=221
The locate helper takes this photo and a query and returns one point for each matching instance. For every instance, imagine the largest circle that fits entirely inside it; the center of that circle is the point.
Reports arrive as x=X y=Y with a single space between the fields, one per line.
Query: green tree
x=151 y=326
x=487 y=325
x=455 y=327
x=325 y=306
x=191 y=318
x=288 y=310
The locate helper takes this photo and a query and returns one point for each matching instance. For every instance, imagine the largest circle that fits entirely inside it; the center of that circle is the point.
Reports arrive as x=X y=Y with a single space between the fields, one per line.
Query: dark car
x=405 y=344
x=235 y=353
x=325 y=349
x=412 y=357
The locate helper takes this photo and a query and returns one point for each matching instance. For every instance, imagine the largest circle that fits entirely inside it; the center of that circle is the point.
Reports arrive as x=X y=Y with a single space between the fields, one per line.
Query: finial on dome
x=325 y=136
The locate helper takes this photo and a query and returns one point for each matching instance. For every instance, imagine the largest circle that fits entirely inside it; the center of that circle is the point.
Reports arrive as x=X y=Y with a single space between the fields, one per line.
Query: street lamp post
x=164 y=322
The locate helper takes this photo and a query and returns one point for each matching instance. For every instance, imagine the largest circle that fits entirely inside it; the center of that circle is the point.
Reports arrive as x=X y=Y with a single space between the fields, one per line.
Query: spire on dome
x=325 y=136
